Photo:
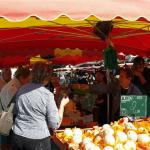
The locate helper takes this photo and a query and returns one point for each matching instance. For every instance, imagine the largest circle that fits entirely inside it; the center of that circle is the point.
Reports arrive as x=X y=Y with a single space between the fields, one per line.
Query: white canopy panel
x=76 y=9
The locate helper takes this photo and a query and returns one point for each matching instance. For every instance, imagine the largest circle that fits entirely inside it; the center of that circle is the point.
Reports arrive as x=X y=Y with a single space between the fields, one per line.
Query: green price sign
x=132 y=105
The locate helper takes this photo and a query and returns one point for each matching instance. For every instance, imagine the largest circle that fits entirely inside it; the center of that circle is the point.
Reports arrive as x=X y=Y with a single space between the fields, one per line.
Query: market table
x=118 y=135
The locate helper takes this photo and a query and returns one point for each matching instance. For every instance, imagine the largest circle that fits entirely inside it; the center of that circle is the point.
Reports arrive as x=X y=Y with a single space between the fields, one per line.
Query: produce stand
x=62 y=145
x=96 y=136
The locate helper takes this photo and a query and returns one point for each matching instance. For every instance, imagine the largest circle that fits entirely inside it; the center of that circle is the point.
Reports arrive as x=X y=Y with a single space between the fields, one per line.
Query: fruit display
x=120 y=135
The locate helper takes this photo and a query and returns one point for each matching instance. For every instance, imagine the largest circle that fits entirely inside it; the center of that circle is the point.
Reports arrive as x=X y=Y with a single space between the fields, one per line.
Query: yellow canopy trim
x=63 y=20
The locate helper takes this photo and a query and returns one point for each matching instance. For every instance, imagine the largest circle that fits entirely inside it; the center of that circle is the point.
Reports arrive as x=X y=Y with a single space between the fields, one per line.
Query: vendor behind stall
x=100 y=108
x=124 y=87
x=141 y=75
x=36 y=112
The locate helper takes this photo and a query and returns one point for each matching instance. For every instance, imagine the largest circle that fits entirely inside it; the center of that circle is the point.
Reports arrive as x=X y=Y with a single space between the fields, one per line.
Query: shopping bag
x=6 y=120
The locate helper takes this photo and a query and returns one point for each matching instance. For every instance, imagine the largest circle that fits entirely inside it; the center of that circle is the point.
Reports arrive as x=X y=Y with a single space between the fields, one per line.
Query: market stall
x=32 y=36
x=120 y=135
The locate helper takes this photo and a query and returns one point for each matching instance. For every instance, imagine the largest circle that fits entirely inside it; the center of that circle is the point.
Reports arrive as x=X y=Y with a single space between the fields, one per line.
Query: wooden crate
x=62 y=145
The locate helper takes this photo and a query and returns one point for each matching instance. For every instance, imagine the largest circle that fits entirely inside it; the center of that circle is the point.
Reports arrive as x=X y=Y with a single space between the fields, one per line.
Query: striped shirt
x=35 y=111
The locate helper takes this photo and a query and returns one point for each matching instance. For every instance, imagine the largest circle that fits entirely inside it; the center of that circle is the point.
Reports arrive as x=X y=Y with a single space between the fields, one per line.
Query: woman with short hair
x=21 y=77
x=36 y=112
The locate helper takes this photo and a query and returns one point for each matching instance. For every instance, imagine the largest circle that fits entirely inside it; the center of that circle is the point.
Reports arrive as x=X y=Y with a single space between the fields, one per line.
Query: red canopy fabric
x=13 y=61
x=29 y=42
x=73 y=60
x=34 y=40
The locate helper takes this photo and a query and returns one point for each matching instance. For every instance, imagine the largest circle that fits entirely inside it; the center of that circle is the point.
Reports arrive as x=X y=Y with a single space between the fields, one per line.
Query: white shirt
x=35 y=110
x=2 y=82
x=8 y=92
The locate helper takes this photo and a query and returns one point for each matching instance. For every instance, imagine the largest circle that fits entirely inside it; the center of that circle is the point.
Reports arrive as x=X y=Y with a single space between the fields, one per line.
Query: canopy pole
x=108 y=96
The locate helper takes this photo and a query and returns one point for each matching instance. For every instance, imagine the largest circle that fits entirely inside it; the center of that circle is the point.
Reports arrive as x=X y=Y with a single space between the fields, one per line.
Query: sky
x=76 y=9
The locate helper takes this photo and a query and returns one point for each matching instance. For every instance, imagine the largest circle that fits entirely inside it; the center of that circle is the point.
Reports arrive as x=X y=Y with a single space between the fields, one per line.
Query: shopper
x=9 y=90
x=36 y=112
x=5 y=77
x=22 y=76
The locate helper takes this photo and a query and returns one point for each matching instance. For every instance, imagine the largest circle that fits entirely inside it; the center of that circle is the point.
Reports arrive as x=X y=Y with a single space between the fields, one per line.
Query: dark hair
x=138 y=60
x=128 y=72
x=103 y=73
x=40 y=72
x=22 y=72
x=5 y=69
x=100 y=71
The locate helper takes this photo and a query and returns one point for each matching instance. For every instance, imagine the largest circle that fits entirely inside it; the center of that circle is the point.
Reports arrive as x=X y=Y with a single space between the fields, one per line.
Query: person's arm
x=15 y=109
x=142 y=79
x=54 y=116
x=63 y=103
x=144 y=83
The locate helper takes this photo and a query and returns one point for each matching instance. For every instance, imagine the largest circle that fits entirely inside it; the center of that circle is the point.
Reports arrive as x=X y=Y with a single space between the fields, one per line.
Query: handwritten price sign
x=132 y=105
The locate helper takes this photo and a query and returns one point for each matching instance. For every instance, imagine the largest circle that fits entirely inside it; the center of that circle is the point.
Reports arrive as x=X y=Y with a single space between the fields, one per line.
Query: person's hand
x=64 y=101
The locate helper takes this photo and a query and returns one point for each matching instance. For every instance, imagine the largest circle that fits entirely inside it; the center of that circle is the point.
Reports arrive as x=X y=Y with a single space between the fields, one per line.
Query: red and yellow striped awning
x=33 y=36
